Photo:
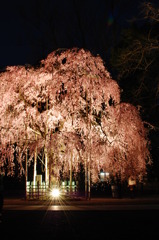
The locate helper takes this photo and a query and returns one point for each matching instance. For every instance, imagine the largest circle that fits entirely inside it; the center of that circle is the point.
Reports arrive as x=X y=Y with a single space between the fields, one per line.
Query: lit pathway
x=82 y=207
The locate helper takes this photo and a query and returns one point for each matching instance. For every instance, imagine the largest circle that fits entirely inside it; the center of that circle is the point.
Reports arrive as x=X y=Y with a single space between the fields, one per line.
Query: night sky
x=32 y=29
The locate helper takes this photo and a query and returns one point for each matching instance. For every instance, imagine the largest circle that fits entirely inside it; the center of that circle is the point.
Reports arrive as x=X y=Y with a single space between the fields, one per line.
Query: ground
x=81 y=219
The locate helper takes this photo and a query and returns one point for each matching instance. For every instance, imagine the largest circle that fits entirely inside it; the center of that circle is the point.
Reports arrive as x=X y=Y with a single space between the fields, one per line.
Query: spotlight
x=55 y=193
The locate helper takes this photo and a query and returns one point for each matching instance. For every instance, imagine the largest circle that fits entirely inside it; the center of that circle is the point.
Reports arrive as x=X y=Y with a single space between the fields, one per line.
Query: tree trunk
x=46 y=169
x=26 y=173
x=89 y=180
x=35 y=172
x=47 y=177
x=35 y=163
x=86 y=179
x=71 y=174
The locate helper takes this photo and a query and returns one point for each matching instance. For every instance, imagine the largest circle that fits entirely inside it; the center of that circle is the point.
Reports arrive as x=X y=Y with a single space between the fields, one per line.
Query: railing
x=37 y=191
x=41 y=191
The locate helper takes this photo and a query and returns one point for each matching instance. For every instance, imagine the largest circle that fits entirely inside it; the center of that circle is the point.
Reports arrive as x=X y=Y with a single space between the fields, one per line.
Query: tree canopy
x=70 y=105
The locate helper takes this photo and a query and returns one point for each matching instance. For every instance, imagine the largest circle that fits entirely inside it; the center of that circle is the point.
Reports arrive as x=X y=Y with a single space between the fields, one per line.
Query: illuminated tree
x=70 y=107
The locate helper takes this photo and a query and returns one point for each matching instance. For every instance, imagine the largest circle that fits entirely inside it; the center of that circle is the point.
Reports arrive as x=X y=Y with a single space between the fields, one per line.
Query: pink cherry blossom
x=70 y=106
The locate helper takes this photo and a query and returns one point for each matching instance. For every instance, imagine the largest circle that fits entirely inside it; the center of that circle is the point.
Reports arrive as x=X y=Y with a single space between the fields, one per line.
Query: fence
x=42 y=191
x=37 y=191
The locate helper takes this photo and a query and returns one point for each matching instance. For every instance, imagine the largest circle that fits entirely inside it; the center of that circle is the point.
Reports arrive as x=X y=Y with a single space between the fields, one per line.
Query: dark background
x=32 y=29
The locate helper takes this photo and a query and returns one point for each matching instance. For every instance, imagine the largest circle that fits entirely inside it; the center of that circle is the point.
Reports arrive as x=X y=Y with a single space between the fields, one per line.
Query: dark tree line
x=135 y=63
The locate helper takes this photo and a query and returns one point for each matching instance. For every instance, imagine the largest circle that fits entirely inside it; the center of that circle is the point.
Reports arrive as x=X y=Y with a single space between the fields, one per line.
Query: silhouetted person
x=132 y=185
